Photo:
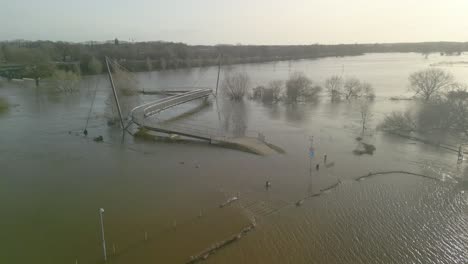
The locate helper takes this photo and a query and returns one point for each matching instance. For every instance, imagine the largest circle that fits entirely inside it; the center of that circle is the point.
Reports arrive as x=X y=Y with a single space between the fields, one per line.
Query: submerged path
x=218 y=246
x=251 y=215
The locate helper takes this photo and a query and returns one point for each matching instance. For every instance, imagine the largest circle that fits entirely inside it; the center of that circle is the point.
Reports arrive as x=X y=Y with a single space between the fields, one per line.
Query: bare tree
x=297 y=85
x=235 y=86
x=312 y=93
x=352 y=88
x=367 y=91
x=276 y=87
x=428 y=83
x=366 y=115
x=334 y=87
x=257 y=92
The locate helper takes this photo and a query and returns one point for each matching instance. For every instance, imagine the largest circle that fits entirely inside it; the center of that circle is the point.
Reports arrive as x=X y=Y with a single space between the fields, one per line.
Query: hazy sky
x=237 y=21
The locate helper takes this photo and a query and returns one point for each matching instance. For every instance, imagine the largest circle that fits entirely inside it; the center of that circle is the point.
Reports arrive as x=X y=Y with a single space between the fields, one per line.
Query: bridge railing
x=173 y=101
x=143 y=111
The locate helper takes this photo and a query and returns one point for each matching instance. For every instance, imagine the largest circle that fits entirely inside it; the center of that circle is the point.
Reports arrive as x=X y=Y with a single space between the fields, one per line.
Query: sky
x=261 y=22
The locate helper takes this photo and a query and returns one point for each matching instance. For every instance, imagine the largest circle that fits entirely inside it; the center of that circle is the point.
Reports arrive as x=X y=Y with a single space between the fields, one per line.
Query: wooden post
x=115 y=93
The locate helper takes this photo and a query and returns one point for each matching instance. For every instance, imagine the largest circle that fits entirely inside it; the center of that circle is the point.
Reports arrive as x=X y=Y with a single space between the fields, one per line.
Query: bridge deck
x=140 y=113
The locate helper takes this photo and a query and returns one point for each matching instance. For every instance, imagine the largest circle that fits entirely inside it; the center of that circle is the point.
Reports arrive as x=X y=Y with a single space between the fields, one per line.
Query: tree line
x=443 y=105
x=41 y=58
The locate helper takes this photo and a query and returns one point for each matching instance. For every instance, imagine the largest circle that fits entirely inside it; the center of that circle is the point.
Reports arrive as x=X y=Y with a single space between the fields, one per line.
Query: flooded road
x=162 y=199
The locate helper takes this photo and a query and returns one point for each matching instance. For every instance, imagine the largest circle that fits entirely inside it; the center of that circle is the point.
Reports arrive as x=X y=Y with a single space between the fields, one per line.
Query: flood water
x=162 y=199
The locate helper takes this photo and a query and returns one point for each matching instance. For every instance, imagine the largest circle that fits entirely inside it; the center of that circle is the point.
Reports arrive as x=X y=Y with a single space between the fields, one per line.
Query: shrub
x=298 y=85
x=65 y=81
x=334 y=87
x=367 y=91
x=398 y=122
x=235 y=86
x=276 y=88
x=258 y=92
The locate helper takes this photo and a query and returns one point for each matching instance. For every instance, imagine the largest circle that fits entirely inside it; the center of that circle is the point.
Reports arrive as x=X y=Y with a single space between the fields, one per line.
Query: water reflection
x=273 y=110
x=235 y=117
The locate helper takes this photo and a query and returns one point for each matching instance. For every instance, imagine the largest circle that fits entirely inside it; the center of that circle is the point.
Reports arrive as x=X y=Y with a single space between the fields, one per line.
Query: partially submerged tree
x=298 y=85
x=446 y=113
x=312 y=93
x=352 y=88
x=235 y=86
x=276 y=88
x=270 y=93
x=334 y=87
x=367 y=91
x=429 y=83
x=457 y=100
x=366 y=114
x=40 y=71
x=399 y=122
x=257 y=92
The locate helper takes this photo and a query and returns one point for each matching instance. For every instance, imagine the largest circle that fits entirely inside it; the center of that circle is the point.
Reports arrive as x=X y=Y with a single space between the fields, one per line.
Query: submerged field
x=161 y=198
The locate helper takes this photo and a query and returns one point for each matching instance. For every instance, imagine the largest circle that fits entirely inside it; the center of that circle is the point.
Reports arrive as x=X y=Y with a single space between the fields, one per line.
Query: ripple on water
x=397 y=219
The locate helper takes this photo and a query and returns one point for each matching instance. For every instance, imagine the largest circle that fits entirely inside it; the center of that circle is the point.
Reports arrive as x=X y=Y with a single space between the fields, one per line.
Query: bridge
x=140 y=113
x=141 y=116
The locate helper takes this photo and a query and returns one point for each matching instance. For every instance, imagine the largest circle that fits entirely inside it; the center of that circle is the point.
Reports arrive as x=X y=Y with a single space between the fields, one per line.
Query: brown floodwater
x=162 y=199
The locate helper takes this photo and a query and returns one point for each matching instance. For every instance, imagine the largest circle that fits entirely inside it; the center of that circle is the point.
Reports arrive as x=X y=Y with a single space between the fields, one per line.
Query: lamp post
x=101 y=212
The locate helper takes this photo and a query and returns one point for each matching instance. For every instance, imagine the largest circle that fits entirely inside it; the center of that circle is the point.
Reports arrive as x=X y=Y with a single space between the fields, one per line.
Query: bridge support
x=116 y=98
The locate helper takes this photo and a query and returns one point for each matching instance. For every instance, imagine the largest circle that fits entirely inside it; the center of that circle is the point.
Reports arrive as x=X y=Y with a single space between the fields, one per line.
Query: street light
x=101 y=211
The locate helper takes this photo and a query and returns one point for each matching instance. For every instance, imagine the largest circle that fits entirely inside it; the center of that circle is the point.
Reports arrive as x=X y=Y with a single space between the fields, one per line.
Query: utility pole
x=101 y=211
x=219 y=70
x=115 y=93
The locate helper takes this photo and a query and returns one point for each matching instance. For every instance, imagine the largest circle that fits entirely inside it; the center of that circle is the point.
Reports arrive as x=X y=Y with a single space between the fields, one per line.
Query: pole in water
x=146 y=236
x=114 y=93
x=101 y=212
x=219 y=70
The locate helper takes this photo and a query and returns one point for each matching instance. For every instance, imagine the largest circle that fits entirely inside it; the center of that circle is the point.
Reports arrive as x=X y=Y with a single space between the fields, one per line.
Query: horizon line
x=228 y=44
